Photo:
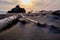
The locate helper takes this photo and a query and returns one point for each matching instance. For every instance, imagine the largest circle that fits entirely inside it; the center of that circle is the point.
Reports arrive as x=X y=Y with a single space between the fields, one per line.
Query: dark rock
x=56 y=17
x=57 y=13
x=43 y=11
x=29 y=12
x=43 y=14
x=17 y=9
x=41 y=25
x=55 y=29
x=23 y=21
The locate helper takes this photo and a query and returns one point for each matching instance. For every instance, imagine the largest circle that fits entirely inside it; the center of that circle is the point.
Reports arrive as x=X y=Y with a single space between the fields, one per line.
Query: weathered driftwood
x=4 y=22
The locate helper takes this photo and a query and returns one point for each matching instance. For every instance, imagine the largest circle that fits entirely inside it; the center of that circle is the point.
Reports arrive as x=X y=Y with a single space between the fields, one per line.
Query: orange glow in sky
x=25 y=2
x=30 y=4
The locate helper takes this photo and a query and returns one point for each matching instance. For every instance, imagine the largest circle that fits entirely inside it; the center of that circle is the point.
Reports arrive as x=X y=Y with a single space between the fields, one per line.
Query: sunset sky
x=6 y=5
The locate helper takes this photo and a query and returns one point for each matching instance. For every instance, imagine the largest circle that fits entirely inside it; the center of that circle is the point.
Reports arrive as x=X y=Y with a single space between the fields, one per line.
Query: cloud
x=6 y=5
x=7 y=2
x=36 y=4
x=46 y=4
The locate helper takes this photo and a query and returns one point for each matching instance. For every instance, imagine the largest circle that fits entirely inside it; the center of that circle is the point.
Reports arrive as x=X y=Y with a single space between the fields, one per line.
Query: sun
x=25 y=2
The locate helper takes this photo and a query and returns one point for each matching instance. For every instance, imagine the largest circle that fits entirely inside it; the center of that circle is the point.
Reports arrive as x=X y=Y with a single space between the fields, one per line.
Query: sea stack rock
x=17 y=9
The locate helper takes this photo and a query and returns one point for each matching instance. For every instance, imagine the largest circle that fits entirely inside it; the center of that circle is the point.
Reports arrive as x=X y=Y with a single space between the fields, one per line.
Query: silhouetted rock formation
x=57 y=13
x=43 y=11
x=17 y=9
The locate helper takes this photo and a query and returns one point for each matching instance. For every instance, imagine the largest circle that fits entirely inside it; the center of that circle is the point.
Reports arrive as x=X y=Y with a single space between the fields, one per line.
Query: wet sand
x=29 y=31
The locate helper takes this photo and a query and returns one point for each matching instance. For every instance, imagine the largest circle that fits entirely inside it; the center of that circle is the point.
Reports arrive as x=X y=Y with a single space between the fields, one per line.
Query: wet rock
x=41 y=25
x=56 y=17
x=55 y=29
x=43 y=14
x=22 y=20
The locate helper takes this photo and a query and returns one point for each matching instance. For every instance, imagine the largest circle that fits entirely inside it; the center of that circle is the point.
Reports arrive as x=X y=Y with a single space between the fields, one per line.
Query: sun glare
x=25 y=2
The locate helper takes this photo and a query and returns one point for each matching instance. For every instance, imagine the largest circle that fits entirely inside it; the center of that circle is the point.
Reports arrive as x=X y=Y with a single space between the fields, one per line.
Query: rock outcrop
x=57 y=13
x=17 y=9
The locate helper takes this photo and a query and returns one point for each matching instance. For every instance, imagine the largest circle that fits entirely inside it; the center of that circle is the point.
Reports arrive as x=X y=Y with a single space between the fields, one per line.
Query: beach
x=31 y=31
